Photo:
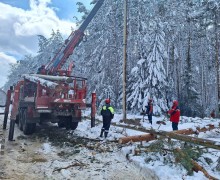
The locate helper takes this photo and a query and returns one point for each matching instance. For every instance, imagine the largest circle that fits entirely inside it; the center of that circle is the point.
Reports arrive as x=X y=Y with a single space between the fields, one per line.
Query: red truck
x=52 y=94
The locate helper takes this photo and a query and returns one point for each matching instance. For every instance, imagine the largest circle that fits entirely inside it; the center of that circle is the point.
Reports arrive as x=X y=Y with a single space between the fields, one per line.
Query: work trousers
x=150 y=118
x=174 y=126
x=106 y=124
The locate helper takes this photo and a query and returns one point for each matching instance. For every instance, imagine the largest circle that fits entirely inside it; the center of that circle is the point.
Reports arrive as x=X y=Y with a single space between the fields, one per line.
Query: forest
x=172 y=53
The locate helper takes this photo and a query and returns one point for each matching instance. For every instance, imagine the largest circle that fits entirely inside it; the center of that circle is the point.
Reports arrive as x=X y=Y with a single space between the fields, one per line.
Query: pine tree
x=189 y=96
x=156 y=82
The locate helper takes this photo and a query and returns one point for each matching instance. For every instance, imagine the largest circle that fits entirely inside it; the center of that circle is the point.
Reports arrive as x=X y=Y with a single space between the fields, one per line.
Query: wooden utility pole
x=125 y=60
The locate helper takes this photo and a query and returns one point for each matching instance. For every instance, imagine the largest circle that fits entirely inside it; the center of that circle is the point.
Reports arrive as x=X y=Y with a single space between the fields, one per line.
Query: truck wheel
x=74 y=125
x=28 y=128
x=20 y=119
x=67 y=121
x=61 y=124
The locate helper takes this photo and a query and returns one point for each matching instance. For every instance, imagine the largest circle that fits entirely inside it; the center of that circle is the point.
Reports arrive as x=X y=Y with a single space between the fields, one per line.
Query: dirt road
x=53 y=153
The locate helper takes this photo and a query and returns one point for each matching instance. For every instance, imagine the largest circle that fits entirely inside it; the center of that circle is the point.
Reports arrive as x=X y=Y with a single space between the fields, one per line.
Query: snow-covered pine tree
x=100 y=55
x=29 y=64
x=189 y=95
x=156 y=81
x=138 y=45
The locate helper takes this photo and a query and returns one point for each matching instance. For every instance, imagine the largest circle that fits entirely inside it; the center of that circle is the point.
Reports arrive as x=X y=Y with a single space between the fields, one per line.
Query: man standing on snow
x=107 y=113
x=174 y=113
x=149 y=110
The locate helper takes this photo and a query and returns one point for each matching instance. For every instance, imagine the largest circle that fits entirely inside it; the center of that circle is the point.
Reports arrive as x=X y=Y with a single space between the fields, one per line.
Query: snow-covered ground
x=48 y=155
x=158 y=164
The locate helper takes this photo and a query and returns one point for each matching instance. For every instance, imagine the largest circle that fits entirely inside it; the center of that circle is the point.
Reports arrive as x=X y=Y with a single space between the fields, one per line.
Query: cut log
x=43 y=82
x=145 y=137
x=198 y=130
x=150 y=137
x=54 y=78
x=194 y=140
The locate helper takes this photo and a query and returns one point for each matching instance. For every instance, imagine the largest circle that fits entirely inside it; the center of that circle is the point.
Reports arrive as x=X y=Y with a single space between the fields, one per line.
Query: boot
x=102 y=131
x=106 y=134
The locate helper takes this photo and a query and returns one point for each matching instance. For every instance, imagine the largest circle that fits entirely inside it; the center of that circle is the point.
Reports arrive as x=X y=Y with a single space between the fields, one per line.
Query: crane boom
x=57 y=62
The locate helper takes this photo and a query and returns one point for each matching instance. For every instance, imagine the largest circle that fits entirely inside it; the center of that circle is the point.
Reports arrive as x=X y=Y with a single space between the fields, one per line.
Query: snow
x=46 y=148
x=162 y=170
x=120 y=163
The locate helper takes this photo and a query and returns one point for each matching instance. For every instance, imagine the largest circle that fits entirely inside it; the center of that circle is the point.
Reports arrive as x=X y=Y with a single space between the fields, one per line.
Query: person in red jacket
x=174 y=113
x=212 y=113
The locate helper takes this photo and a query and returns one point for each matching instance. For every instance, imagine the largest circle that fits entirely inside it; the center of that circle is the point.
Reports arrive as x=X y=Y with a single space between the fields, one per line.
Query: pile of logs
x=52 y=82
x=179 y=135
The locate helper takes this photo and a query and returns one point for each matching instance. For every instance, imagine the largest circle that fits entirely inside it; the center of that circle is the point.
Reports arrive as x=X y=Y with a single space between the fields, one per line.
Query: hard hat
x=107 y=101
x=175 y=102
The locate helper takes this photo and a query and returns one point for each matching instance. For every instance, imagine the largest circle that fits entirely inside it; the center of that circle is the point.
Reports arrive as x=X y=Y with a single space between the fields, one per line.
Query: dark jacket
x=107 y=112
x=149 y=108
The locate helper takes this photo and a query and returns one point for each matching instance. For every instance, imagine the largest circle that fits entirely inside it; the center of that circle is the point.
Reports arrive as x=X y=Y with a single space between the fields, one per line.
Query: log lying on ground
x=198 y=130
x=194 y=140
x=185 y=131
x=150 y=137
x=172 y=135
x=196 y=167
x=144 y=137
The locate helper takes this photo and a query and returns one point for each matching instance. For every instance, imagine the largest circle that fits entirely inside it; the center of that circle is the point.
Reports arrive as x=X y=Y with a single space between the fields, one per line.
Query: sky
x=21 y=22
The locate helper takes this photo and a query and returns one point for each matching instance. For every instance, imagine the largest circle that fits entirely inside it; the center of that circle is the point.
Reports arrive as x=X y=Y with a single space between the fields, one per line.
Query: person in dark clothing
x=174 y=113
x=107 y=113
x=212 y=113
x=149 y=110
x=41 y=70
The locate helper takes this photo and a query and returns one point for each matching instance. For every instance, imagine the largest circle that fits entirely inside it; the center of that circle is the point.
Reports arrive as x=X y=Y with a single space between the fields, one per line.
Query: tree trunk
x=150 y=137
x=54 y=78
x=199 y=141
x=196 y=166
x=144 y=137
x=43 y=82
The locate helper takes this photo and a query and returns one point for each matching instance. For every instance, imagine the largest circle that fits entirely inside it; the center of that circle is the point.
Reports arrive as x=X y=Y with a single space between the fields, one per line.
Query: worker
x=107 y=113
x=41 y=70
x=149 y=109
x=212 y=113
x=174 y=114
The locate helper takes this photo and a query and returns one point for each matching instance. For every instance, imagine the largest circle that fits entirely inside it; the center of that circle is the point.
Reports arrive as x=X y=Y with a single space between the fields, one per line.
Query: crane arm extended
x=71 y=42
